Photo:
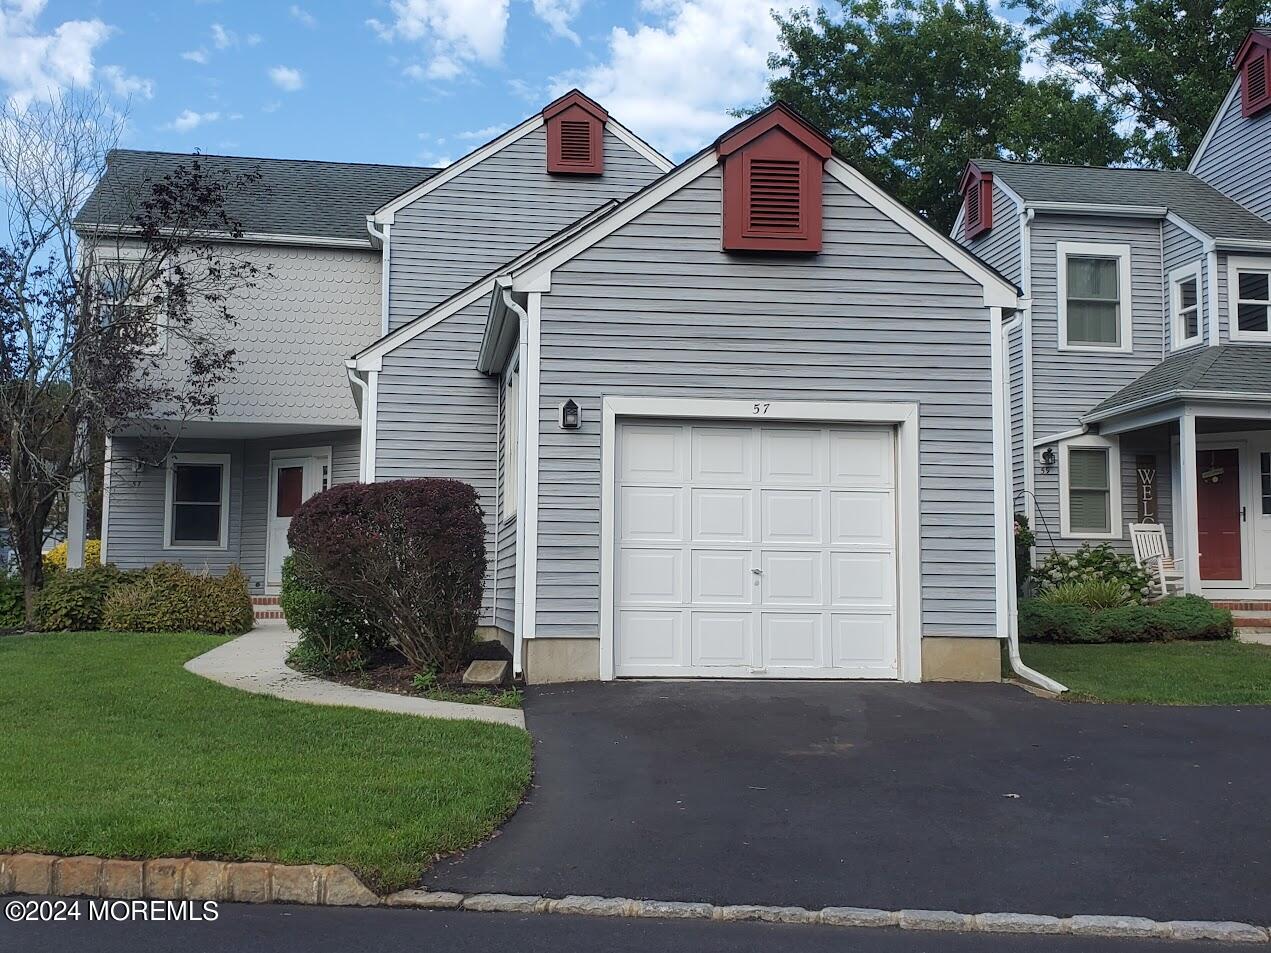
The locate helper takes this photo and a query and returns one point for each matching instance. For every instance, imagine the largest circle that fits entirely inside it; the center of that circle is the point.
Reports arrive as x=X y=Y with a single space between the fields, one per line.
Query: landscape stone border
x=183 y=878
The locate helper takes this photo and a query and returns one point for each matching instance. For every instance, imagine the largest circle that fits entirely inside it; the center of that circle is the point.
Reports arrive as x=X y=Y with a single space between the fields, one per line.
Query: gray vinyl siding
x=1015 y=378
x=312 y=308
x=137 y=500
x=1156 y=444
x=657 y=309
x=491 y=213
x=1068 y=384
x=1237 y=159
x=437 y=416
x=134 y=535
x=1181 y=248
x=505 y=554
x=1001 y=246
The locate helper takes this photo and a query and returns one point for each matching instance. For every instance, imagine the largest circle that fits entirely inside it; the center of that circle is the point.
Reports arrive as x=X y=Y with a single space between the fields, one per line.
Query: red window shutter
x=977 y=202
x=772 y=185
x=1256 y=94
x=575 y=136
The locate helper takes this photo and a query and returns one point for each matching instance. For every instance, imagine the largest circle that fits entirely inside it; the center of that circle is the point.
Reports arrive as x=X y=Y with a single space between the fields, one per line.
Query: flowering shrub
x=407 y=555
x=1101 y=563
x=55 y=558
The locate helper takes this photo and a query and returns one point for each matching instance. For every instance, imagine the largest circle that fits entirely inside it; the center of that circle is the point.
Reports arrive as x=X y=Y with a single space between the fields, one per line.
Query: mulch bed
x=387 y=671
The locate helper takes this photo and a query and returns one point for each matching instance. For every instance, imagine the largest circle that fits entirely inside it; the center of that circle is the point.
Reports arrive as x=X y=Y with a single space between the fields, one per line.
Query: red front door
x=1218 y=513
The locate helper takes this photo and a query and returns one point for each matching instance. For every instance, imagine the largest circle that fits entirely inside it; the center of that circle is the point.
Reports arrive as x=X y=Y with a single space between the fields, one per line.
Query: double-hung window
x=197 y=510
x=1094 y=297
x=1249 y=288
x=1089 y=489
x=1185 y=314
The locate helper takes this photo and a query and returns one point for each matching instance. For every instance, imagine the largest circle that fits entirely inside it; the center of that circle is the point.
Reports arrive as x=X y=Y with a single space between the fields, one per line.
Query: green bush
x=1102 y=563
x=73 y=600
x=334 y=637
x=168 y=598
x=12 y=603
x=1091 y=593
x=1170 y=620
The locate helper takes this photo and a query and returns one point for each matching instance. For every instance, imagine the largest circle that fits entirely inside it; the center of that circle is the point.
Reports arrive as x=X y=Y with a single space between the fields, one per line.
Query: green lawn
x=1161 y=673
x=111 y=748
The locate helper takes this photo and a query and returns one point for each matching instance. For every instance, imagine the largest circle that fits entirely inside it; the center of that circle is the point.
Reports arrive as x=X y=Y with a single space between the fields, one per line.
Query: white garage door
x=764 y=551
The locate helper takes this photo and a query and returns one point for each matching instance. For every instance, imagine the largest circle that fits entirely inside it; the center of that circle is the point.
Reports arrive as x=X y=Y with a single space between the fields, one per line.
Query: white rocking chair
x=1151 y=551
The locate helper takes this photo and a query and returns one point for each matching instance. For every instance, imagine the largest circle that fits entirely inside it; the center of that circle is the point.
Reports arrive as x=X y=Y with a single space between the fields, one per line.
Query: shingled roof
x=1193 y=200
x=1237 y=369
x=297 y=197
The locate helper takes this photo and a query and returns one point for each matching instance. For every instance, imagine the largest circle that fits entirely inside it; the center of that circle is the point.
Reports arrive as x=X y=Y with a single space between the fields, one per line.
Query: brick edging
x=184 y=878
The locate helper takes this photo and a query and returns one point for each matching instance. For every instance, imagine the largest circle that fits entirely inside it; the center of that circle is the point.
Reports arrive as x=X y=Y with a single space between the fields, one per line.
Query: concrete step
x=1252 y=618
x=1256 y=636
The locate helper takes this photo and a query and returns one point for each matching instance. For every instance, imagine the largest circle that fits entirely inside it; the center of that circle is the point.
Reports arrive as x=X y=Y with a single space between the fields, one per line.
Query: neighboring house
x=1140 y=366
x=740 y=417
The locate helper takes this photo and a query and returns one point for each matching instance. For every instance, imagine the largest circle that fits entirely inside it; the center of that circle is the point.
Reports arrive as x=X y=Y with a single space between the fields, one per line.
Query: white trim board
x=1173 y=283
x=372 y=358
x=903 y=416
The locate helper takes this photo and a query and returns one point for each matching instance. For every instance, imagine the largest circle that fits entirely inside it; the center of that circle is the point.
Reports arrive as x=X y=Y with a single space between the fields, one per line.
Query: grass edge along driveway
x=1158 y=673
x=113 y=749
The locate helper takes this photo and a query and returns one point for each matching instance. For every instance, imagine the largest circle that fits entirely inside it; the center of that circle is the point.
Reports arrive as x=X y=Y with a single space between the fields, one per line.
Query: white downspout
x=522 y=535
x=386 y=254
x=356 y=380
x=1004 y=480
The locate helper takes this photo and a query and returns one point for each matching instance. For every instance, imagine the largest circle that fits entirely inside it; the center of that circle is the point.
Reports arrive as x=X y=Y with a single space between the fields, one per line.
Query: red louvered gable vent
x=977 y=201
x=575 y=136
x=1254 y=63
x=772 y=184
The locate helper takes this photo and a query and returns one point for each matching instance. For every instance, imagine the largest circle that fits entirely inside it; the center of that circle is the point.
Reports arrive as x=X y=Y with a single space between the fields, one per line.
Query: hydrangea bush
x=1099 y=563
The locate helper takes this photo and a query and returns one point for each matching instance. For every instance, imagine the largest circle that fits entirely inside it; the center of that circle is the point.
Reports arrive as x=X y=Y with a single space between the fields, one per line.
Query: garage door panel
x=651 y=513
x=863 y=641
x=861 y=458
x=763 y=550
x=650 y=638
x=721 y=576
x=721 y=638
x=722 y=456
x=653 y=454
x=721 y=515
x=791 y=516
x=791 y=639
x=648 y=576
x=862 y=518
x=791 y=456
x=791 y=579
x=861 y=579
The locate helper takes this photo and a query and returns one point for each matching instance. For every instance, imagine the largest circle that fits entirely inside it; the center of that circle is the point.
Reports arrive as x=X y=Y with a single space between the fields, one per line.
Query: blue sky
x=402 y=81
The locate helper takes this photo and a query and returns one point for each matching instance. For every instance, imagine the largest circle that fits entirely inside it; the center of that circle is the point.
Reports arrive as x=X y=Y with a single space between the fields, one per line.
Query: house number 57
x=761 y=409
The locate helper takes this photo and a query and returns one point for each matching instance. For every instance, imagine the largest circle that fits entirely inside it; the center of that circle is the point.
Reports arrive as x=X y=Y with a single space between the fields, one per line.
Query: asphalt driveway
x=964 y=797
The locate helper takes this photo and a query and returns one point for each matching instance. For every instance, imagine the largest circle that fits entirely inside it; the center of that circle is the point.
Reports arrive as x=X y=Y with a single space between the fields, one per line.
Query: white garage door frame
x=902 y=416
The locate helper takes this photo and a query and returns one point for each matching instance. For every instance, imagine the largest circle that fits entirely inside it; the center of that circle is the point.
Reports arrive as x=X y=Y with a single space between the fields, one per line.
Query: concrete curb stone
x=1018 y=923
x=592 y=906
x=935 y=920
x=1224 y=930
x=1113 y=926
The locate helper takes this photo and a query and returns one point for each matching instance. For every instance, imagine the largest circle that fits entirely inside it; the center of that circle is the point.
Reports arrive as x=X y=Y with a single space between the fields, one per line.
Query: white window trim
x=1178 y=337
x=1124 y=256
x=1091 y=441
x=510 y=503
x=197 y=458
x=1235 y=265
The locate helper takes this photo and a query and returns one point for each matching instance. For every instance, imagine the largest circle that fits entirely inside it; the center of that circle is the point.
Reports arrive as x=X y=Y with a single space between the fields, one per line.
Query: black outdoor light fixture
x=571 y=415
x=1048 y=458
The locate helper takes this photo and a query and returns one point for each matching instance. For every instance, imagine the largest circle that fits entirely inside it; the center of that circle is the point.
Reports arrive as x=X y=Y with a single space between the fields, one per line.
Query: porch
x=220 y=495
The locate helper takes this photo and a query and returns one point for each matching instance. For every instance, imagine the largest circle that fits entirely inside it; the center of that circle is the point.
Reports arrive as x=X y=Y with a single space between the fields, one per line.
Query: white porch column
x=1190 y=550
x=76 y=522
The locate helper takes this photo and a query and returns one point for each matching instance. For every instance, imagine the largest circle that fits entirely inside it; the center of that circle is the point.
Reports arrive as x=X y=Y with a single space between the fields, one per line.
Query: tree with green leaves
x=1165 y=65
x=909 y=90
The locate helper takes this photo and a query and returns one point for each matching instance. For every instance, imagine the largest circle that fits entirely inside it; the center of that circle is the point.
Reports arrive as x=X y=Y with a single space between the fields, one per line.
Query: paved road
x=963 y=797
x=283 y=929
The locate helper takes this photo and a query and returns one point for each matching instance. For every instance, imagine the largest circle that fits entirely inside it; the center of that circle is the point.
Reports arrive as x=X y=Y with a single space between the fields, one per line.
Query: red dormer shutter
x=1254 y=63
x=977 y=201
x=772 y=184
x=575 y=135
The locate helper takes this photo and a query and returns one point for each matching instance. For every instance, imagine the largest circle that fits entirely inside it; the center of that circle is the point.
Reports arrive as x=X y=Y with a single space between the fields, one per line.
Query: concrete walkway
x=257 y=662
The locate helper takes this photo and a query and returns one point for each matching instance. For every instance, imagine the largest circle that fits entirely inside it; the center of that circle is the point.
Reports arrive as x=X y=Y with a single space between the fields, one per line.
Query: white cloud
x=126 y=85
x=675 y=78
x=254 y=39
x=557 y=14
x=189 y=119
x=222 y=38
x=457 y=33
x=287 y=79
x=195 y=56
x=40 y=64
x=483 y=135
x=303 y=16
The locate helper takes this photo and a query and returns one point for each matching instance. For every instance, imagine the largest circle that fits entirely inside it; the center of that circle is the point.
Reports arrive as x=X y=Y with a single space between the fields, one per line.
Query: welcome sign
x=1145 y=484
